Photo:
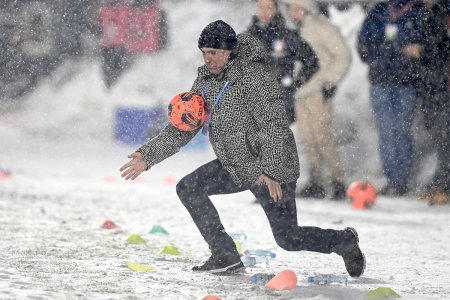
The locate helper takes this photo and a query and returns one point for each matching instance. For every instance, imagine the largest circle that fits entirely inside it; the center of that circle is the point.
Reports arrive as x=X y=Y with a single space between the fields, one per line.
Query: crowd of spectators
x=405 y=44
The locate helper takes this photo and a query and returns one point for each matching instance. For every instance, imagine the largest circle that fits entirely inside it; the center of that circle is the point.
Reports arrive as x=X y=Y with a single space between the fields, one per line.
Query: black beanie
x=218 y=35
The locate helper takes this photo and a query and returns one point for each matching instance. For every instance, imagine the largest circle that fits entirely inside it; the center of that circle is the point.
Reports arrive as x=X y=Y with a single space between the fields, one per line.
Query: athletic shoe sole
x=231 y=269
x=357 y=240
x=234 y=268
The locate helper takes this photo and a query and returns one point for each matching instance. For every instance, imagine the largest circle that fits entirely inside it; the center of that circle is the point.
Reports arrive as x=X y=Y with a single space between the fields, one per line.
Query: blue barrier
x=134 y=125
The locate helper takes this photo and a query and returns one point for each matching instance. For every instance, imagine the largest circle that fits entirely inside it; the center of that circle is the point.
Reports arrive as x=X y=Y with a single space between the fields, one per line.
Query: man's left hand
x=274 y=187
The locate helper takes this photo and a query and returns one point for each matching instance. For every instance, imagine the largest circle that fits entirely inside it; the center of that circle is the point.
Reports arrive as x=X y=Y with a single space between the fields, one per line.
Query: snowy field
x=59 y=181
x=59 y=194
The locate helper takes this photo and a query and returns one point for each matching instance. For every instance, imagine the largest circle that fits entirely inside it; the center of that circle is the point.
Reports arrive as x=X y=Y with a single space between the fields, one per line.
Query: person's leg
x=305 y=126
x=327 y=146
x=441 y=178
x=193 y=191
x=404 y=109
x=324 y=137
x=282 y=216
x=381 y=100
x=306 y=114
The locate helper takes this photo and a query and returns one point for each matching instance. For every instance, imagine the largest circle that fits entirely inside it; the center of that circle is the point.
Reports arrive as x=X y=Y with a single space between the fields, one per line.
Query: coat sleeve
x=168 y=142
x=371 y=46
x=267 y=108
x=340 y=54
x=305 y=54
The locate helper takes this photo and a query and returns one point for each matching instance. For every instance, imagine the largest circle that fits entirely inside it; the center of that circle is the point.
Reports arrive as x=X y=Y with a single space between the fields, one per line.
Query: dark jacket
x=285 y=47
x=386 y=63
x=249 y=130
x=437 y=48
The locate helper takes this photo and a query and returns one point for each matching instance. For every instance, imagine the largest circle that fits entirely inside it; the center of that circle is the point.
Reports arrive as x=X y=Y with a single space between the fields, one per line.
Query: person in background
x=129 y=28
x=391 y=42
x=255 y=149
x=113 y=24
x=435 y=97
x=284 y=47
x=314 y=105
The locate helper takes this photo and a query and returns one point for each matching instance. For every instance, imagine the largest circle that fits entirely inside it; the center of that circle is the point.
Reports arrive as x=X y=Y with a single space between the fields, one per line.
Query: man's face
x=265 y=11
x=297 y=12
x=215 y=59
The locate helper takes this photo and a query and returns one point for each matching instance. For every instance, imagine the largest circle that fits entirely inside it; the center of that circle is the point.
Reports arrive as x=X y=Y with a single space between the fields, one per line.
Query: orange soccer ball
x=187 y=111
x=362 y=194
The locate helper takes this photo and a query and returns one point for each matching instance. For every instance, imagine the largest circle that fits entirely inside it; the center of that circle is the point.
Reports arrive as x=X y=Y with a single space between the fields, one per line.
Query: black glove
x=328 y=90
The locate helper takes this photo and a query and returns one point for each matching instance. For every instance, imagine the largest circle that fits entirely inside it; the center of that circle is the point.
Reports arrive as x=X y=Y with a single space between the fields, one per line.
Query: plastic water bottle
x=251 y=261
x=239 y=239
x=239 y=236
x=260 y=252
x=261 y=278
x=328 y=279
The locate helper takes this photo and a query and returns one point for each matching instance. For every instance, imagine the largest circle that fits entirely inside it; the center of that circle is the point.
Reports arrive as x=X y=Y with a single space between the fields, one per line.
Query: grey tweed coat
x=249 y=130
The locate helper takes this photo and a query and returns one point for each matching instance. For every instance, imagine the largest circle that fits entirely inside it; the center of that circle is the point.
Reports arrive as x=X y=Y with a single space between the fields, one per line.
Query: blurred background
x=105 y=70
x=38 y=36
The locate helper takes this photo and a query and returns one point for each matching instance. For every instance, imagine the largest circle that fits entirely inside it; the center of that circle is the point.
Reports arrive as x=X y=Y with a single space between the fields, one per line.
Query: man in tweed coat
x=255 y=151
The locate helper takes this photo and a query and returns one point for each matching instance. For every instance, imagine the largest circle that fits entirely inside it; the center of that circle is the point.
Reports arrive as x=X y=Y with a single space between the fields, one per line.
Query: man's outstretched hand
x=133 y=168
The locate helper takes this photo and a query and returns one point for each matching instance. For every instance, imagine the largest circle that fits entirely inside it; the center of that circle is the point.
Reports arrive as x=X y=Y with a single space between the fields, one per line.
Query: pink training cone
x=285 y=280
x=108 y=224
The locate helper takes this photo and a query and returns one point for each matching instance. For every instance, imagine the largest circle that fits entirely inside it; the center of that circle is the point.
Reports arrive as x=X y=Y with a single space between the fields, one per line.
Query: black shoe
x=354 y=259
x=386 y=190
x=223 y=265
x=312 y=190
x=338 y=191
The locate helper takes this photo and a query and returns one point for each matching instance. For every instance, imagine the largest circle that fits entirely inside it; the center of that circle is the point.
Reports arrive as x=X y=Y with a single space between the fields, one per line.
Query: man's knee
x=182 y=189
x=189 y=192
x=284 y=238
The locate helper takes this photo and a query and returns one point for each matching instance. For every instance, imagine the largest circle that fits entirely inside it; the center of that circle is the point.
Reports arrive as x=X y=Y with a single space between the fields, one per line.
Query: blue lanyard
x=216 y=102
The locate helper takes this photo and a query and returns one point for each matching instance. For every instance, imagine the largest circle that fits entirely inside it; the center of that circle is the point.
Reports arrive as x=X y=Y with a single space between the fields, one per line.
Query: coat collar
x=230 y=72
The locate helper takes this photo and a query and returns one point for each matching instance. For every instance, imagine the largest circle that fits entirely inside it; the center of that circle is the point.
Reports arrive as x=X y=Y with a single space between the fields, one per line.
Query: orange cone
x=285 y=280
x=210 y=297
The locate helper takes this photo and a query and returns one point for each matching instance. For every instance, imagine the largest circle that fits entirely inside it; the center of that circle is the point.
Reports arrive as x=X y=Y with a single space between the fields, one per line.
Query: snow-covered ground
x=63 y=183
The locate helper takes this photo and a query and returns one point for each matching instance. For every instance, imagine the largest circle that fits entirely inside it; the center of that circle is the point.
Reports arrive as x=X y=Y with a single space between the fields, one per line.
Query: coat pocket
x=253 y=142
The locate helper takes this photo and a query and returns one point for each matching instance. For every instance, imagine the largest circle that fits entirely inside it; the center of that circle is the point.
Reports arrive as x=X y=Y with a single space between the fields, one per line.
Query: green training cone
x=135 y=239
x=170 y=250
x=137 y=267
x=381 y=293
x=158 y=229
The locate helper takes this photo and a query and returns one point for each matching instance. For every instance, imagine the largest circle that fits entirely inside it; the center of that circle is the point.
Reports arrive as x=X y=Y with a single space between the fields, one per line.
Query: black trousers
x=212 y=179
x=436 y=112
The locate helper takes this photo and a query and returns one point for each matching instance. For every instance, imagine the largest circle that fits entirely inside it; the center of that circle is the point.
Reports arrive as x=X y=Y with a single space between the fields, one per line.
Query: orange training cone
x=210 y=297
x=285 y=280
